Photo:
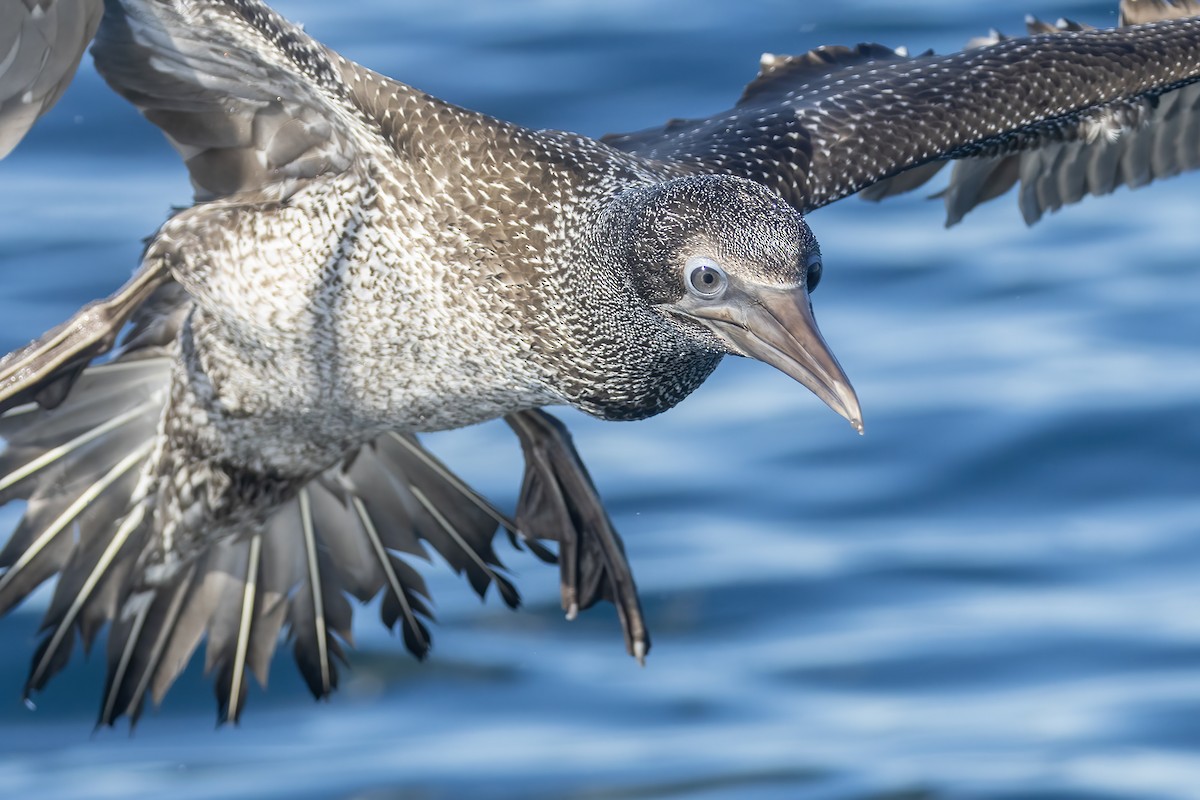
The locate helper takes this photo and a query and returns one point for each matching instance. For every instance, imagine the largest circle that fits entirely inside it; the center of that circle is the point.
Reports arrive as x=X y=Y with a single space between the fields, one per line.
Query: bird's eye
x=704 y=277
x=812 y=274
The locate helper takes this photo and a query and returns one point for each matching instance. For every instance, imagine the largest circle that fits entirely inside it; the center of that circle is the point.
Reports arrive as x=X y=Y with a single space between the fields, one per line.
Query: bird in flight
x=225 y=448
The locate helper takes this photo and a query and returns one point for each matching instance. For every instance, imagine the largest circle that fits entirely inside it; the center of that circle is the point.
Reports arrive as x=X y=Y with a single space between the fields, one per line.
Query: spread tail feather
x=346 y=533
x=77 y=466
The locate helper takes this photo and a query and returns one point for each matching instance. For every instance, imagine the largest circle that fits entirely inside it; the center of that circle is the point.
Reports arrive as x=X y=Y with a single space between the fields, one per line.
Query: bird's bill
x=777 y=327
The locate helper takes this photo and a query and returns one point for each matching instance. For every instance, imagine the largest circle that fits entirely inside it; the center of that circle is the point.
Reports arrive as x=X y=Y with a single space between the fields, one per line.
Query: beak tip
x=845 y=403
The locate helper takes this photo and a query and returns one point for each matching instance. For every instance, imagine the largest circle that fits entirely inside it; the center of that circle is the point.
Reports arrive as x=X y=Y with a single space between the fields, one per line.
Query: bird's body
x=282 y=384
x=464 y=276
x=367 y=262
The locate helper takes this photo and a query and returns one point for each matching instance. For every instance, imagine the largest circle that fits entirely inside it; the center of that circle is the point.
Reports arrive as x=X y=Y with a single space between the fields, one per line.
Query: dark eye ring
x=812 y=274
x=705 y=278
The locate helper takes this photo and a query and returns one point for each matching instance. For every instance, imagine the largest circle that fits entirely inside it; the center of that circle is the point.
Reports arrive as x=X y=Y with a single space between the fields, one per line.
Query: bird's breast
x=337 y=316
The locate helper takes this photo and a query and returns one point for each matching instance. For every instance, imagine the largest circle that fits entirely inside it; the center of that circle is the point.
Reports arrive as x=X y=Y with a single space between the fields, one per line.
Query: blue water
x=995 y=593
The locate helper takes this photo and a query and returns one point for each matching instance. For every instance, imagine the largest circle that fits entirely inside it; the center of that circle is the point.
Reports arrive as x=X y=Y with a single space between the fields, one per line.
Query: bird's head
x=727 y=262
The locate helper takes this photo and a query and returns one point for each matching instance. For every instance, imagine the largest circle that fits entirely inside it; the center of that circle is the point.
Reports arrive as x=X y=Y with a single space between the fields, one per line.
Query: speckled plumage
x=366 y=262
x=826 y=124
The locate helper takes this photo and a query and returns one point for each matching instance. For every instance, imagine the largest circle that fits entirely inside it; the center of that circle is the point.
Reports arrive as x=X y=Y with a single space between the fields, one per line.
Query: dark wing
x=1130 y=146
x=824 y=125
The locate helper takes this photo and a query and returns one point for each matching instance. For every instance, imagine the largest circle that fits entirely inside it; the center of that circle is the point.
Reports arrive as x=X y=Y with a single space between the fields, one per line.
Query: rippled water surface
x=993 y=594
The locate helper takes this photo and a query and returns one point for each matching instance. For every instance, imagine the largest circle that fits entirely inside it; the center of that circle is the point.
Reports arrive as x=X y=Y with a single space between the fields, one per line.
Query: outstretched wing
x=1134 y=146
x=831 y=122
x=250 y=102
x=41 y=42
x=256 y=107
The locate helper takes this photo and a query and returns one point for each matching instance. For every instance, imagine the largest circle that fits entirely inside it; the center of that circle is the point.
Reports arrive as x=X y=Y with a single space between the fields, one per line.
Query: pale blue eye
x=705 y=278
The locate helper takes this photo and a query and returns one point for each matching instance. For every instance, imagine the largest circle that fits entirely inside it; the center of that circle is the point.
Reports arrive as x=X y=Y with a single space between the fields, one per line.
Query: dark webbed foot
x=559 y=502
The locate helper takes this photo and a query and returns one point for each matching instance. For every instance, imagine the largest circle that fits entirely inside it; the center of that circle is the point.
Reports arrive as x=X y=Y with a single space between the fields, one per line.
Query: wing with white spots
x=834 y=121
x=41 y=42
x=1131 y=145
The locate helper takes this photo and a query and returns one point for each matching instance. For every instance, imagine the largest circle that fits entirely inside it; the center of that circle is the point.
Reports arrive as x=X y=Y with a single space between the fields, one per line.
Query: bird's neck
x=616 y=357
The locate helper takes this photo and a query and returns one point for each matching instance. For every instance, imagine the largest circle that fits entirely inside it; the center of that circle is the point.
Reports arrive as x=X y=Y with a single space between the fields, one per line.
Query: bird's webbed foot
x=559 y=502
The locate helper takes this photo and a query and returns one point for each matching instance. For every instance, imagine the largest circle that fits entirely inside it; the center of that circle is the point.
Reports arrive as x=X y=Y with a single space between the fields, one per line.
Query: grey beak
x=777 y=327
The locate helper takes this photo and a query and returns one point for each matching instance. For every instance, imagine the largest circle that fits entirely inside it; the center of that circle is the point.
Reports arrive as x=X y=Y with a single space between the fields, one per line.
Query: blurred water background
x=993 y=594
